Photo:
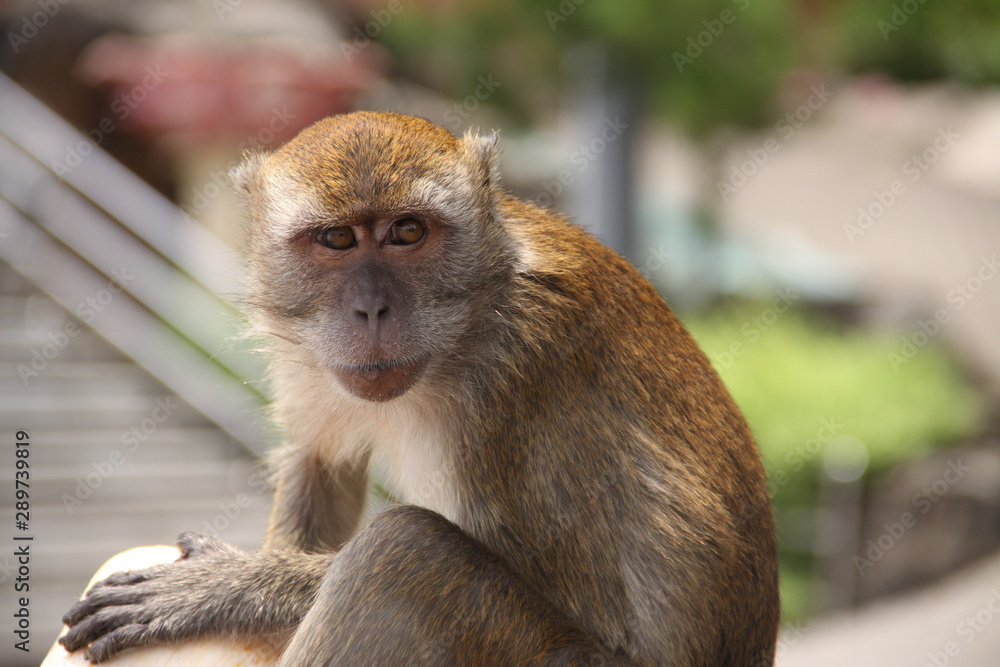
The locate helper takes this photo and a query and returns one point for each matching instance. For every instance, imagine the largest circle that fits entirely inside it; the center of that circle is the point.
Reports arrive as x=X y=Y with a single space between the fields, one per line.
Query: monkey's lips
x=380 y=381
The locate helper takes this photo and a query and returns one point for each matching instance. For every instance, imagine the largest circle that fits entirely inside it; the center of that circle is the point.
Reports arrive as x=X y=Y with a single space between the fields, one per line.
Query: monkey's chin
x=380 y=382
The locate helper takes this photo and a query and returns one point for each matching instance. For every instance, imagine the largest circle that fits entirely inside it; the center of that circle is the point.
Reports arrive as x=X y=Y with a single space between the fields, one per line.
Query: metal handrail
x=98 y=229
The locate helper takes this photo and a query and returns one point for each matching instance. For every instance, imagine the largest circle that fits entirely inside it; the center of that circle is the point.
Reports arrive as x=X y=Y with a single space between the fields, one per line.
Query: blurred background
x=813 y=185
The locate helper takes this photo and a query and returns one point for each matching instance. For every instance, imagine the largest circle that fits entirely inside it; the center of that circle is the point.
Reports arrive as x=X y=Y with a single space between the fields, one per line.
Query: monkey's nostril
x=372 y=314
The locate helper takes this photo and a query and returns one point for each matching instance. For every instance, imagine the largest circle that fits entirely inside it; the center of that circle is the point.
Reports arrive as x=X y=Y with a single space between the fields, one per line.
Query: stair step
x=73 y=487
x=87 y=377
x=70 y=548
x=17 y=347
x=167 y=444
x=94 y=410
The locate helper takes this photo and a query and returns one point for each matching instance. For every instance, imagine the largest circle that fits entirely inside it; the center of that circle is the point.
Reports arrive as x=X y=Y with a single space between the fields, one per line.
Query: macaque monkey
x=576 y=485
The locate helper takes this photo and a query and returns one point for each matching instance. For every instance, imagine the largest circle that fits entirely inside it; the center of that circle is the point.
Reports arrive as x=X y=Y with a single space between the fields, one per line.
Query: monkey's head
x=373 y=245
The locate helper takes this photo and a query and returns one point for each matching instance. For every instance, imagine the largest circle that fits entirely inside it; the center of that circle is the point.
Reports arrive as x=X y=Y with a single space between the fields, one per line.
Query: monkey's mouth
x=380 y=381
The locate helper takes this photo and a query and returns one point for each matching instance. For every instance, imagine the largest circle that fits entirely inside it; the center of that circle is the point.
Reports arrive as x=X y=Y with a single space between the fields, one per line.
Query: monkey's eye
x=337 y=238
x=406 y=232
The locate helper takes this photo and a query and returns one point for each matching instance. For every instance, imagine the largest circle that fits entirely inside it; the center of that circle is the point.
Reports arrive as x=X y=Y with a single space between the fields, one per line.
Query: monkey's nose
x=374 y=313
x=372 y=317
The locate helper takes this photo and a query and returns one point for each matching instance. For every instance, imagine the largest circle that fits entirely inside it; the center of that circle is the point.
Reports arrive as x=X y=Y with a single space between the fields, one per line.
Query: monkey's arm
x=212 y=589
x=317 y=506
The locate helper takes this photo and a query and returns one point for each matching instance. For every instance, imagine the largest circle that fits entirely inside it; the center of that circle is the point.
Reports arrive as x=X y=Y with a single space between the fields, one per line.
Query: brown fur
x=595 y=491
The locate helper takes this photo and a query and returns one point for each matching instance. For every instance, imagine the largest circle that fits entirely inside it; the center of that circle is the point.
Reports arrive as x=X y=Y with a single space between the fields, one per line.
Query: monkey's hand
x=163 y=603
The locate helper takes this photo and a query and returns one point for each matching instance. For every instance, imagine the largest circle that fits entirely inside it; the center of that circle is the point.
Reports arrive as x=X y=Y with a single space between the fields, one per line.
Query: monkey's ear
x=245 y=175
x=480 y=153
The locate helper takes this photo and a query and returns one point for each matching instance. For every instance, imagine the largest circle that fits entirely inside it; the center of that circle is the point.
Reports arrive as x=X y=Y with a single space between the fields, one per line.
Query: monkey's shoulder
x=567 y=271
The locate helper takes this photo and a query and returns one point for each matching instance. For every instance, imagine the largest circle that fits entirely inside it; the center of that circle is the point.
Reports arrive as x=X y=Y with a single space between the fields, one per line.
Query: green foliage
x=796 y=372
x=919 y=39
x=795 y=376
x=795 y=586
x=703 y=63
x=728 y=78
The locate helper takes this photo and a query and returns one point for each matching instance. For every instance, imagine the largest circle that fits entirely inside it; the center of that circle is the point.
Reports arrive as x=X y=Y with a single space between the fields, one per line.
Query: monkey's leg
x=414 y=589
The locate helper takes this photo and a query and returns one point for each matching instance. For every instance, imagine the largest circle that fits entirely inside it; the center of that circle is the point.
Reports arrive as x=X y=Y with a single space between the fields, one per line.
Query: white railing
x=115 y=253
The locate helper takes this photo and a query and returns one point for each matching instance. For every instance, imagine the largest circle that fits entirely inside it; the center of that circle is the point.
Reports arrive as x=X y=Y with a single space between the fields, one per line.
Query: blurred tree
x=914 y=40
x=703 y=62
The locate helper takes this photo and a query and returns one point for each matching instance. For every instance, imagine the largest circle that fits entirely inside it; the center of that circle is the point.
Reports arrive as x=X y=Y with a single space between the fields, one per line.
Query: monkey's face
x=373 y=247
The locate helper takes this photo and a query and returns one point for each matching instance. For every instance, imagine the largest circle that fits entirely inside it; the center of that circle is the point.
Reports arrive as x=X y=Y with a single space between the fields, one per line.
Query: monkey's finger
x=101 y=598
x=125 y=578
x=193 y=545
x=79 y=611
x=127 y=636
x=96 y=625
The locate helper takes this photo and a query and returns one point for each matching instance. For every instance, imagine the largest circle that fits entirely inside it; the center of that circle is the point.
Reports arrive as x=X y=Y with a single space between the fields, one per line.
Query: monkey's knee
x=403 y=543
x=413 y=588
x=418 y=527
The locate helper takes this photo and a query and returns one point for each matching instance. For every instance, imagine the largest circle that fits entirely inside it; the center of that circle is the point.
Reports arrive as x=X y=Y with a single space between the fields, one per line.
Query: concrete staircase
x=117 y=461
